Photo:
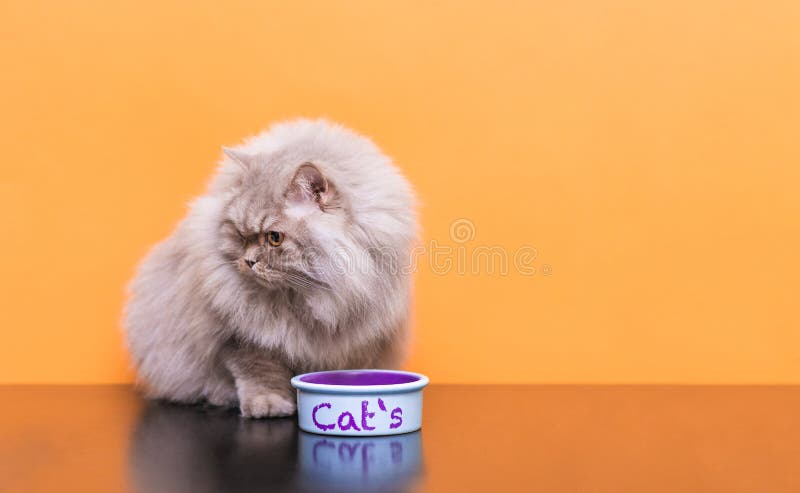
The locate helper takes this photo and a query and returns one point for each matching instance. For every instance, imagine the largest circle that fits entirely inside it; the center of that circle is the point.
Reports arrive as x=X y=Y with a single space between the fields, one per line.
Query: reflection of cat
x=175 y=449
x=293 y=261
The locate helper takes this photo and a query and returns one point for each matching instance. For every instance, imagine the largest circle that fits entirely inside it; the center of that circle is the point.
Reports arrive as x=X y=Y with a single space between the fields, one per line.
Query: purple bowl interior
x=360 y=378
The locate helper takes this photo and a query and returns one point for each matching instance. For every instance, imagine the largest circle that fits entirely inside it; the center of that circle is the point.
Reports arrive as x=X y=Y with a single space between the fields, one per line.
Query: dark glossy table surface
x=474 y=438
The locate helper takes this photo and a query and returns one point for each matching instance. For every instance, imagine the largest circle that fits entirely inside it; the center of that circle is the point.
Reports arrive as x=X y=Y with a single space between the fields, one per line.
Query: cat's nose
x=250 y=263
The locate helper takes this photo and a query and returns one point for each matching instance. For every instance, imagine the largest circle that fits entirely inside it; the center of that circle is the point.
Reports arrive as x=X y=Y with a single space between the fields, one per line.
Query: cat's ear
x=310 y=185
x=239 y=157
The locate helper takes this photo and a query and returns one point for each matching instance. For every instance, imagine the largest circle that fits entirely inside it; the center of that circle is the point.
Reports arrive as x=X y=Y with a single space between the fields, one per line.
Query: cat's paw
x=267 y=405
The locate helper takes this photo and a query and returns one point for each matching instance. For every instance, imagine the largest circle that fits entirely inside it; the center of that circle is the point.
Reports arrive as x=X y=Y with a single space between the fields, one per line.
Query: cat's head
x=281 y=229
x=314 y=209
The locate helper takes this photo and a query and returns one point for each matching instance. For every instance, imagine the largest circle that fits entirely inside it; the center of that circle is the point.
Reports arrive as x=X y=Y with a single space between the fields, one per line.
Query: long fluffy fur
x=202 y=323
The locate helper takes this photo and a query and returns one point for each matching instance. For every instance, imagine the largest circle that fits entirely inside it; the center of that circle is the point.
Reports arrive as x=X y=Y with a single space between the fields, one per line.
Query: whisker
x=303 y=279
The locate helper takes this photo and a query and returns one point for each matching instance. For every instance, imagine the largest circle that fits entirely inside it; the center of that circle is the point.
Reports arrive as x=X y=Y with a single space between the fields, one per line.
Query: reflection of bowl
x=354 y=464
x=360 y=402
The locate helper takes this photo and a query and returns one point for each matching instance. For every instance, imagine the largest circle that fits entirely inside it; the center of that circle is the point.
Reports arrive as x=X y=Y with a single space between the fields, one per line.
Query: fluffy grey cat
x=292 y=261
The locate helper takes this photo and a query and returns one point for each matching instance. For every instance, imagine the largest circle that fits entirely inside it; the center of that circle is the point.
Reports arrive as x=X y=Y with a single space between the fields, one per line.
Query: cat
x=292 y=261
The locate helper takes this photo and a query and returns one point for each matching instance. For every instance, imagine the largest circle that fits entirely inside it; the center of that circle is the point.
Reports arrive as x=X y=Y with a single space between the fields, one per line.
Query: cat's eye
x=274 y=238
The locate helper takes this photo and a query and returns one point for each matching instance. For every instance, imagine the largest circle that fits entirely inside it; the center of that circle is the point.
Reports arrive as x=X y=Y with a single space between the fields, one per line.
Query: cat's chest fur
x=307 y=331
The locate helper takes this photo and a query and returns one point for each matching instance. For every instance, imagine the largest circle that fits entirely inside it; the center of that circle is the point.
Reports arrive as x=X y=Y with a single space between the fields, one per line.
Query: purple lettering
x=397 y=414
x=350 y=423
x=365 y=458
x=381 y=404
x=319 y=425
x=365 y=414
x=397 y=452
x=351 y=451
x=318 y=444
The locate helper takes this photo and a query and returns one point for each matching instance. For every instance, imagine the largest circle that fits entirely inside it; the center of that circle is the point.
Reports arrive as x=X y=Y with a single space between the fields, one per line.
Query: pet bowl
x=359 y=402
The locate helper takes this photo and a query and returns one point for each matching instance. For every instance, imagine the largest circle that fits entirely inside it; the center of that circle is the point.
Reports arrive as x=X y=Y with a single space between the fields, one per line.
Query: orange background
x=650 y=154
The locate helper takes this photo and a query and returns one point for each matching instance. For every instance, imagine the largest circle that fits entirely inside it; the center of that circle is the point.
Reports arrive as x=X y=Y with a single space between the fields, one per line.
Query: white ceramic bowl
x=359 y=402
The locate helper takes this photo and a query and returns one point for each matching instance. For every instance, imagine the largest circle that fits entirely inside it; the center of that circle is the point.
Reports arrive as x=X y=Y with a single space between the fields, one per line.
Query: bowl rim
x=396 y=388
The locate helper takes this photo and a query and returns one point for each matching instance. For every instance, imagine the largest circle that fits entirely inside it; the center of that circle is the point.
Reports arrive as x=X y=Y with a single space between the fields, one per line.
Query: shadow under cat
x=183 y=449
